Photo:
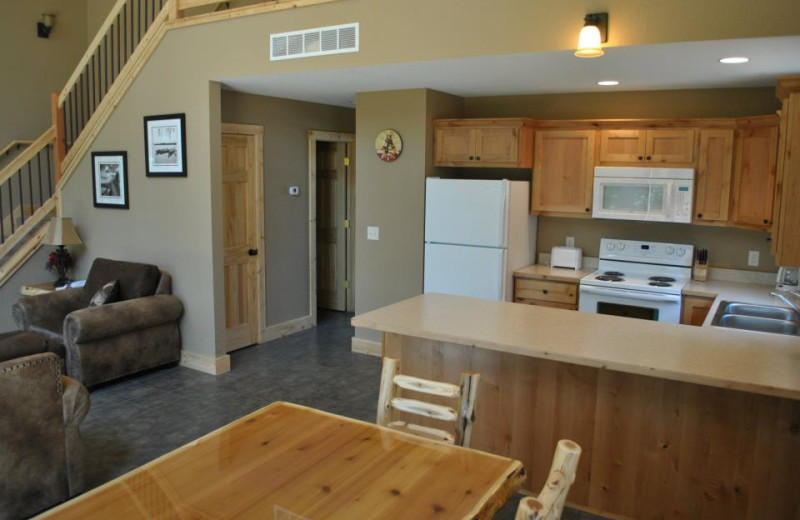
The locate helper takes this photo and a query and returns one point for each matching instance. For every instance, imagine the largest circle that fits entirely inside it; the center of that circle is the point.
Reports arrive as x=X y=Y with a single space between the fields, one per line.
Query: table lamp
x=61 y=233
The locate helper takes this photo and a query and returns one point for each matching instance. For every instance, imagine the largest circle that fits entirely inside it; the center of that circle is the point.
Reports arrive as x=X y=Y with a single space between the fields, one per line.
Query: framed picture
x=110 y=179
x=165 y=145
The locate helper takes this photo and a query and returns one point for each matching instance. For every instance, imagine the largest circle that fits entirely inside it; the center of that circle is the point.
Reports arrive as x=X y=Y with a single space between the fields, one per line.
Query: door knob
x=252 y=252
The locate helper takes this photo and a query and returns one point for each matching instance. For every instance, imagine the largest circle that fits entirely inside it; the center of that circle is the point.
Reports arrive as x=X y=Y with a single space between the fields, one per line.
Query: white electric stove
x=638 y=279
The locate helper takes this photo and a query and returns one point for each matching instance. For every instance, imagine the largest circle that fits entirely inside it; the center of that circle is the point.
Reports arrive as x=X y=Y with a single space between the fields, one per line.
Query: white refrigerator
x=477 y=232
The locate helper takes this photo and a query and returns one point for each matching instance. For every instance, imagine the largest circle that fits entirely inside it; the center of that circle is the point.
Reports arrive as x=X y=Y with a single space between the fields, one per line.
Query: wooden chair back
x=463 y=414
x=550 y=502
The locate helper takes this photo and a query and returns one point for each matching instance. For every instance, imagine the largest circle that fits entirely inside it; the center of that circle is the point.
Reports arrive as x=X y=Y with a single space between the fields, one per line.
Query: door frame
x=257 y=132
x=315 y=136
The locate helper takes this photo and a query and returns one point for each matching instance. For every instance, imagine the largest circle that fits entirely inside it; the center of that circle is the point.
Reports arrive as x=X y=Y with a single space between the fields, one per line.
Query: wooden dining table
x=290 y=462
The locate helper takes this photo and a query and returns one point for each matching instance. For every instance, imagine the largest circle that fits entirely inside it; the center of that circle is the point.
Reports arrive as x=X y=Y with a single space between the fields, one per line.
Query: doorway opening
x=331 y=209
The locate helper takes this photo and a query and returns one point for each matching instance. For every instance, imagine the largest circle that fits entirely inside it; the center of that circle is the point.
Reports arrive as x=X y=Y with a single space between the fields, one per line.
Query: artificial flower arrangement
x=59 y=261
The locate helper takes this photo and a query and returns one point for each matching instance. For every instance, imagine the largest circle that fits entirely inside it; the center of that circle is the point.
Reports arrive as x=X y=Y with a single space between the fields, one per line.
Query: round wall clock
x=388 y=145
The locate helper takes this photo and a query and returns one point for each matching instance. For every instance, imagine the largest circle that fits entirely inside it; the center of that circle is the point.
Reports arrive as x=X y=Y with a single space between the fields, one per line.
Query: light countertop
x=545 y=272
x=758 y=294
x=755 y=362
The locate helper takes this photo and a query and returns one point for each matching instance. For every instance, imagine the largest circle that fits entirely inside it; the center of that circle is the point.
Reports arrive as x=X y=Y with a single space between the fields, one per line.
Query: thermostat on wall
x=294 y=191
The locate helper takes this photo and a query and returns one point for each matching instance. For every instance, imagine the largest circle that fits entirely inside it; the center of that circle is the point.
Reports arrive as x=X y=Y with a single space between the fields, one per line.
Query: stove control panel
x=646 y=252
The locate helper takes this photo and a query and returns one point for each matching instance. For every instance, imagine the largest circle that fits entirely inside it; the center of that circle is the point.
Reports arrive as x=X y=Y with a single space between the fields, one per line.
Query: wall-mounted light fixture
x=45 y=25
x=594 y=32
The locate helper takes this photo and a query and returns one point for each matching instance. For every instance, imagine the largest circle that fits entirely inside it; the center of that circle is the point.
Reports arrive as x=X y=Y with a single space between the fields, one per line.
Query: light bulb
x=589 y=42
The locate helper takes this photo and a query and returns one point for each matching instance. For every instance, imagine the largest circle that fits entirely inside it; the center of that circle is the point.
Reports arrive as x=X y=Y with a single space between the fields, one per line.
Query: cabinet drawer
x=554 y=292
x=543 y=303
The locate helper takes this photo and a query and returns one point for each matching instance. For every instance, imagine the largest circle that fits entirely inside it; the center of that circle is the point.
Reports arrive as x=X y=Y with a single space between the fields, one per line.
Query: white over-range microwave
x=652 y=194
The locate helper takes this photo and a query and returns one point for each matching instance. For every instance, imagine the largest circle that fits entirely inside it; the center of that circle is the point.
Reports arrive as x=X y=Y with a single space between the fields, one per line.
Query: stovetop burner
x=661 y=279
x=609 y=278
x=661 y=284
x=613 y=273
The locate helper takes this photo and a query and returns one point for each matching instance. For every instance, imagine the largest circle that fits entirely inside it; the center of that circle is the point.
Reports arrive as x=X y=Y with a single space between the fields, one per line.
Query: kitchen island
x=674 y=421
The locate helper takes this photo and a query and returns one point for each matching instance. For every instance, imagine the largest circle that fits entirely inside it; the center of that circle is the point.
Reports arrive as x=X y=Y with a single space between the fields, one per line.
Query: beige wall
x=727 y=247
x=286 y=124
x=96 y=12
x=34 y=67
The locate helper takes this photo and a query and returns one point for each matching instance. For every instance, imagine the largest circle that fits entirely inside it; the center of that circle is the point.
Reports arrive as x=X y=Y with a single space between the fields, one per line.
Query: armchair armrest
x=47 y=310
x=94 y=323
x=75 y=400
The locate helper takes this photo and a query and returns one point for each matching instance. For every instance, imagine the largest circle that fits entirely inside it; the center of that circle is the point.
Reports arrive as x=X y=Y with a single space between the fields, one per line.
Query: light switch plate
x=752 y=259
x=570 y=241
x=373 y=233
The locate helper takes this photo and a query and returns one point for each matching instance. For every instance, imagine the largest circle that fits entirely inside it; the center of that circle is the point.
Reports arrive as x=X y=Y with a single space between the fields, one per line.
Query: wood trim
x=313 y=137
x=27 y=154
x=787 y=85
x=783 y=129
x=238 y=12
x=190 y=4
x=287 y=328
x=101 y=33
x=114 y=95
x=206 y=364
x=366 y=346
x=59 y=144
x=19 y=234
x=22 y=255
x=16 y=142
x=257 y=132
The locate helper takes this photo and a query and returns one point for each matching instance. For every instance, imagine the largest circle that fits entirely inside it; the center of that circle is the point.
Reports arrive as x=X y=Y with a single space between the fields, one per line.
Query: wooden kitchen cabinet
x=563 y=172
x=488 y=143
x=713 y=176
x=786 y=233
x=694 y=310
x=547 y=293
x=637 y=147
x=754 y=177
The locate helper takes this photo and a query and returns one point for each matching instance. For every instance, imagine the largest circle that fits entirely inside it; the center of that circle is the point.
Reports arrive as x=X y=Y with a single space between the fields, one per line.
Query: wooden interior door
x=241 y=209
x=713 y=180
x=754 y=177
x=622 y=146
x=673 y=147
x=563 y=172
x=331 y=233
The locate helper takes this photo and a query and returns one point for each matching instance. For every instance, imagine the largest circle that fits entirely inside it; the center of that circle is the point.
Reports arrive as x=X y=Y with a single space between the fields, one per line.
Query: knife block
x=700 y=272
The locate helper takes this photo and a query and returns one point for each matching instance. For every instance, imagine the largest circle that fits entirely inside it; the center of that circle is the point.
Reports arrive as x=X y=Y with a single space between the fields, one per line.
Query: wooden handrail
x=24 y=251
x=177 y=20
x=29 y=153
x=28 y=226
x=101 y=33
x=12 y=144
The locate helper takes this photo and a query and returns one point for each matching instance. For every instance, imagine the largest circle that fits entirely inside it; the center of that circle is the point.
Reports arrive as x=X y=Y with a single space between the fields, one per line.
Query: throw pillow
x=109 y=293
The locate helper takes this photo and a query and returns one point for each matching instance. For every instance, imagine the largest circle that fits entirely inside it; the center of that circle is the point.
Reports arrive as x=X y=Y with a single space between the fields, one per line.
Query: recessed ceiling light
x=608 y=83
x=733 y=60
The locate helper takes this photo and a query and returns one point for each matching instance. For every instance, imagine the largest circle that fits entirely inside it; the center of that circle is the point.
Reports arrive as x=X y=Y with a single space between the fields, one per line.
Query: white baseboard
x=286 y=328
x=206 y=364
x=366 y=346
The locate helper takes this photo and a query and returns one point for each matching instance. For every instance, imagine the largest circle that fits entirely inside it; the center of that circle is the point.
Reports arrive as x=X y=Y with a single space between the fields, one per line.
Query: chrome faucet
x=783 y=297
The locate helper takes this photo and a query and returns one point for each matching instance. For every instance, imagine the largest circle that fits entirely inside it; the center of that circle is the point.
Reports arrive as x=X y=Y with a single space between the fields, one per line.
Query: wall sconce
x=594 y=32
x=45 y=25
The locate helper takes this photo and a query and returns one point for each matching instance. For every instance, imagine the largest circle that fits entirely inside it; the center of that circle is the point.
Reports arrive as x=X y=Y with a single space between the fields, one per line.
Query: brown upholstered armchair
x=41 y=453
x=138 y=332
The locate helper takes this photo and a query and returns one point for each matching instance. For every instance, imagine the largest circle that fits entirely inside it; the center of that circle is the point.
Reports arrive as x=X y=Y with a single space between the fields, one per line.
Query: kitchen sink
x=757 y=318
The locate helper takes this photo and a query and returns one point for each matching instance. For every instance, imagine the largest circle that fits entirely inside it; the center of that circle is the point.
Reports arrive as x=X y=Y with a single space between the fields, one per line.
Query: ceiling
x=647 y=67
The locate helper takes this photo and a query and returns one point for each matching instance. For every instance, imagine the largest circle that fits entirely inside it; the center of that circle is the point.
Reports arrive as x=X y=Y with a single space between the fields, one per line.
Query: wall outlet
x=570 y=241
x=373 y=233
x=752 y=259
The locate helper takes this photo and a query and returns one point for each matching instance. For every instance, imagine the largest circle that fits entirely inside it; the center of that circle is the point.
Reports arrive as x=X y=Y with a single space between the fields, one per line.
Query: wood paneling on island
x=652 y=448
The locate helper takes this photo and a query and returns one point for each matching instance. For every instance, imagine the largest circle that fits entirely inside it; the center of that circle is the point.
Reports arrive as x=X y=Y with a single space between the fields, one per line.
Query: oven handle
x=634 y=295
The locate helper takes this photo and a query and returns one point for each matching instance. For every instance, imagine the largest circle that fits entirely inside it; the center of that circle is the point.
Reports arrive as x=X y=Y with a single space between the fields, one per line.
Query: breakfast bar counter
x=675 y=421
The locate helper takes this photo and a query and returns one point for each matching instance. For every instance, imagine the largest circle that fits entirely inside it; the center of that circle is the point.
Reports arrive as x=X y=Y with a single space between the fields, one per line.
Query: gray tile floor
x=134 y=421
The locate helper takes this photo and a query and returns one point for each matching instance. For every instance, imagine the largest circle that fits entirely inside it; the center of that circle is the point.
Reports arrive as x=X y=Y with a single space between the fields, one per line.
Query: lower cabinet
x=547 y=293
x=694 y=310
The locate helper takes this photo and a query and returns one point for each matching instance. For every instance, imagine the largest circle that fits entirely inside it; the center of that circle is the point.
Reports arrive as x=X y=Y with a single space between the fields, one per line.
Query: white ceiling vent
x=337 y=39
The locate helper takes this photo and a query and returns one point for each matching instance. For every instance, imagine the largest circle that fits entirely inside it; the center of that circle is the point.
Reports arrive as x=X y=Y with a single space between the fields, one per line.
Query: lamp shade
x=589 y=42
x=61 y=233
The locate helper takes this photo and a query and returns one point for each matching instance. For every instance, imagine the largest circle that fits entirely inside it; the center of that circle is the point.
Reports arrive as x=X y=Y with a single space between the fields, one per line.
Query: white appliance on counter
x=651 y=194
x=638 y=280
x=477 y=232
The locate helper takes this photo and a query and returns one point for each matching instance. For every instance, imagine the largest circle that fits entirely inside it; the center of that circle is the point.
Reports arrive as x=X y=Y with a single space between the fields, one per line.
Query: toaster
x=567 y=257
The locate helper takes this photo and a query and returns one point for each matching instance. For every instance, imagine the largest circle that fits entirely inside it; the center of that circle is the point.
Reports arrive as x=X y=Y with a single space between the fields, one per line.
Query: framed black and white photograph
x=110 y=179
x=165 y=145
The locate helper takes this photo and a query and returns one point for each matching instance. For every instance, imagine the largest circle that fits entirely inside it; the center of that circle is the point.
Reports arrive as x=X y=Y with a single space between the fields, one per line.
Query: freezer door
x=465 y=271
x=466 y=212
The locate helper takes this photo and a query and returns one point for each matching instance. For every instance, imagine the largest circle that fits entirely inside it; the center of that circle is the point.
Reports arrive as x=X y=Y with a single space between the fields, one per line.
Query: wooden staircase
x=31 y=182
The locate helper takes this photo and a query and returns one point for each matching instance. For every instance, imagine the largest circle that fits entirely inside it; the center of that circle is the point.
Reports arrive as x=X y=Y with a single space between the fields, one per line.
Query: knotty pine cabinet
x=694 y=310
x=639 y=147
x=754 y=177
x=713 y=176
x=563 y=172
x=547 y=293
x=786 y=233
x=488 y=143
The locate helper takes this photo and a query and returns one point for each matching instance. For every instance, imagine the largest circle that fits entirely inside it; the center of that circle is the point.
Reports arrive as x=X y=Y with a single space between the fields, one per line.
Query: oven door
x=633 y=199
x=632 y=304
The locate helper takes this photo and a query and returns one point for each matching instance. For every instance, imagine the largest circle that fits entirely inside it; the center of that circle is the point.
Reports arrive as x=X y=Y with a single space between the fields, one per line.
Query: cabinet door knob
x=478 y=158
x=766 y=221
x=648 y=157
x=544 y=291
x=588 y=210
x=471 y=158
x=699 y=215
x=640 y=157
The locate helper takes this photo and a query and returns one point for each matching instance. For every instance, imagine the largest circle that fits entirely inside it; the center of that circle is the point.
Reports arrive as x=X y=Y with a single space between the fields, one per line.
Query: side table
x=37 y=288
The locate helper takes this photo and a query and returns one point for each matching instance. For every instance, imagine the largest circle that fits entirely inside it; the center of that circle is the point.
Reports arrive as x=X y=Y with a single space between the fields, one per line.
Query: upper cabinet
x=488 y=143
x=786 y=234
x=563 y=172
x=713 y=176
x=658 y=147
x=754 y=177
